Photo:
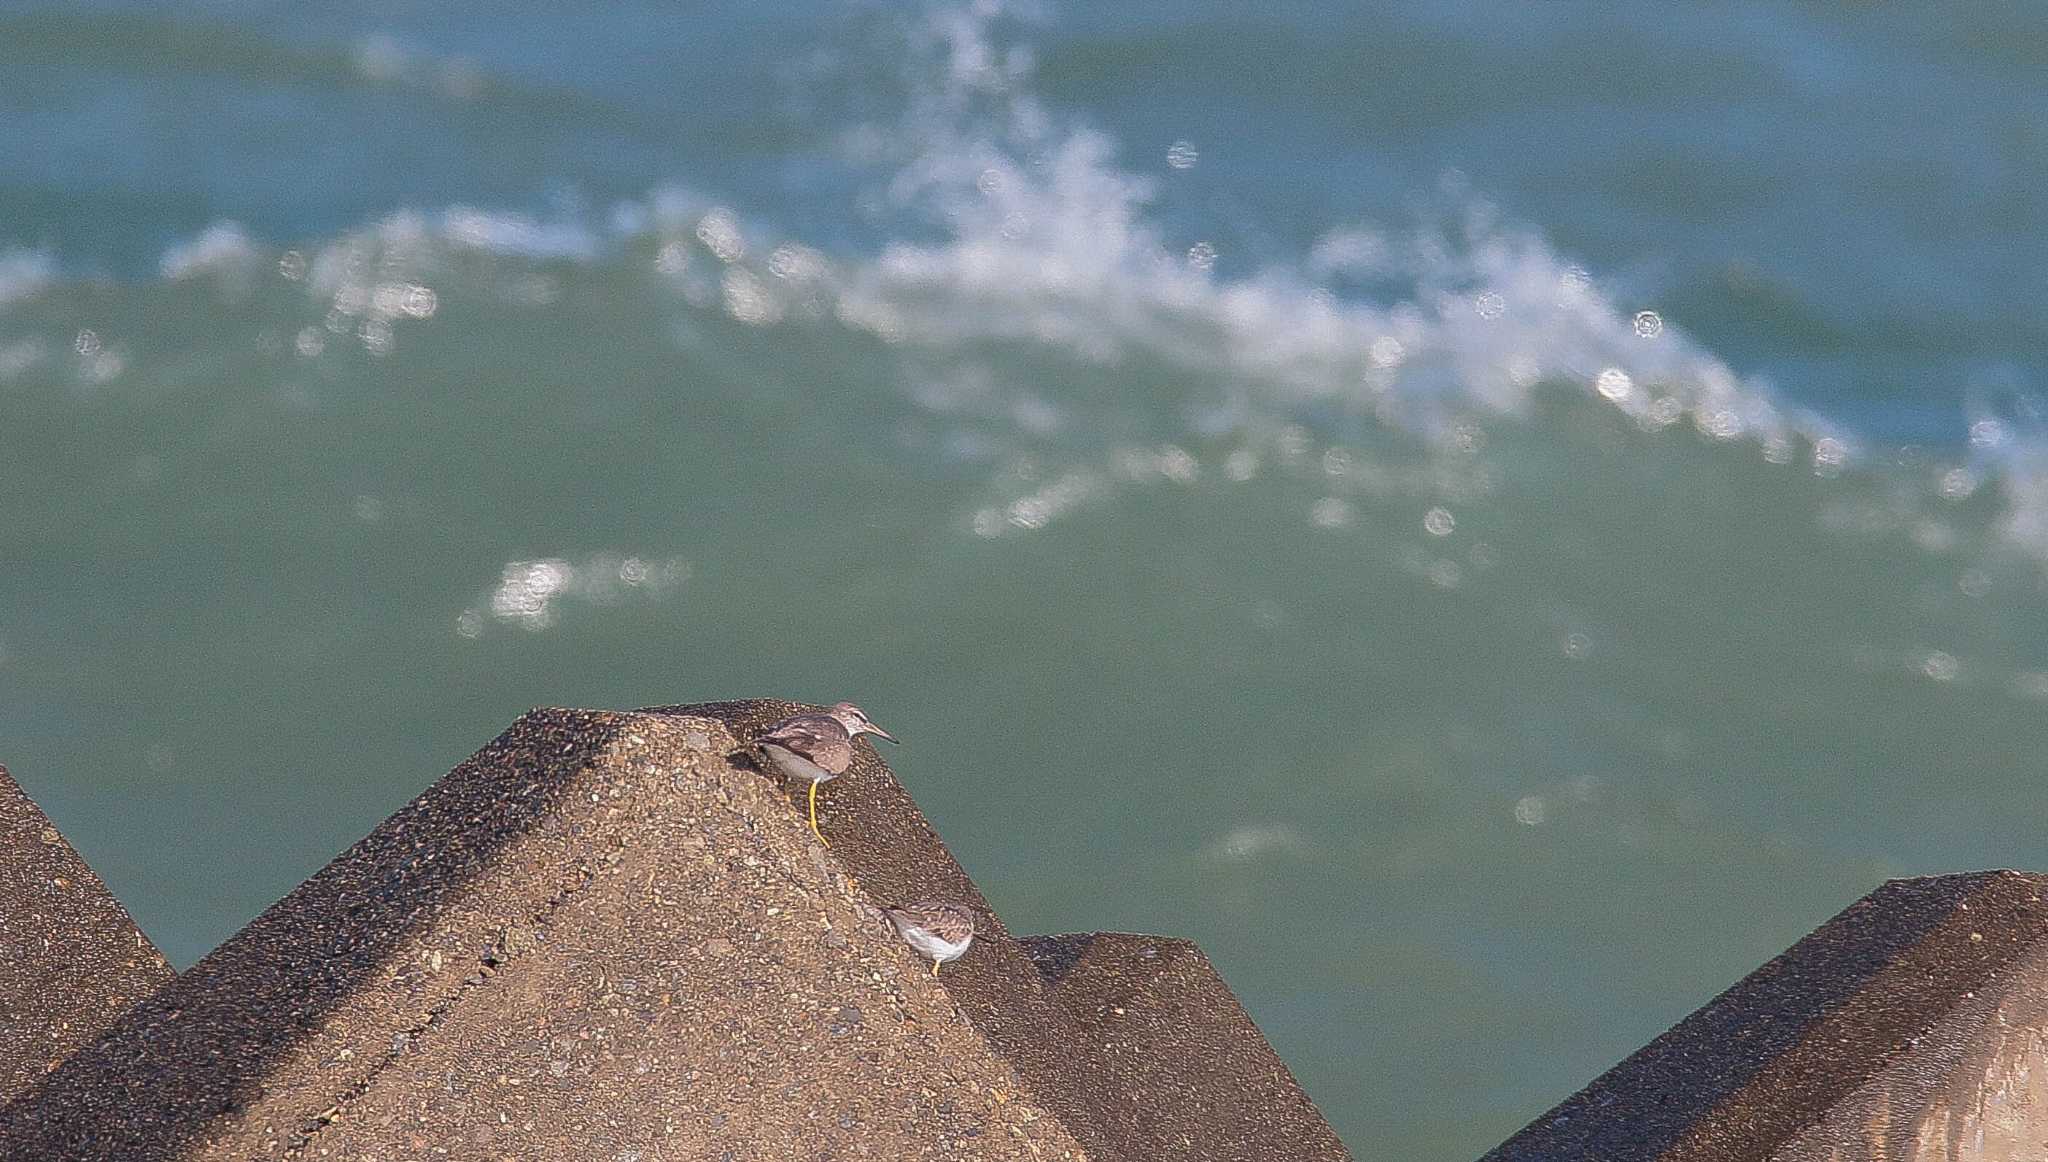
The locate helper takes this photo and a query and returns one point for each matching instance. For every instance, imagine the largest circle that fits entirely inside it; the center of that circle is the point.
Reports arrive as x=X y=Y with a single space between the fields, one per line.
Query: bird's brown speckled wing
x=817 y=738
x=949 y=922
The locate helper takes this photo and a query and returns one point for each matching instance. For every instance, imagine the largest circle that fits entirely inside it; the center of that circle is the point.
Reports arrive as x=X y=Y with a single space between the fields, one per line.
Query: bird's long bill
x=880 y=733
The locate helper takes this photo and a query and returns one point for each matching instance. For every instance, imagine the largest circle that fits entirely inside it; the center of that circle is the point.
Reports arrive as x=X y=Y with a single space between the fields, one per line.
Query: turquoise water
x=1492 y=522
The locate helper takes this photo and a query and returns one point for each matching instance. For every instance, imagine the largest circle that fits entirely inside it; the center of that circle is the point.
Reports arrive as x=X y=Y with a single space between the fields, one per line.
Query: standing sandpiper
x=940 y=931
x=817 y=748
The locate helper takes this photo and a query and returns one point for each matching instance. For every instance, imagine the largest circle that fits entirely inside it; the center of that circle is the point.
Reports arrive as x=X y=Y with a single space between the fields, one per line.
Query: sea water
x=1493 y=521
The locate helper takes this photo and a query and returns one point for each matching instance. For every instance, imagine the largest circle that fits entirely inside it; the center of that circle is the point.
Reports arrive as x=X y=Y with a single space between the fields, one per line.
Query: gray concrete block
x=71 y=958
x=602 y=937
x=1912 y=1025
x=1169 y=1036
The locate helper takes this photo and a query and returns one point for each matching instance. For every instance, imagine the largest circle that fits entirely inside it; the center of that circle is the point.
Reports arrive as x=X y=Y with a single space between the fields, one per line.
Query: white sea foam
x=383 y=59
x=1046 y=240
x=519 y=234
x=2023 y=483
x=1049 y=241
x=1251 y=841
x=223 y=248
x=530 y=594
x=23 y=274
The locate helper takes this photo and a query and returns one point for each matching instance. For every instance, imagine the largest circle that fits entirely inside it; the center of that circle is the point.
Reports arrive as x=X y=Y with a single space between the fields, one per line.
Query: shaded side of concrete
x=1177 y=1044
x=596 y=938
x=71 y=958
x=1873 y=1036
x=880 y=837
x=244 y=1048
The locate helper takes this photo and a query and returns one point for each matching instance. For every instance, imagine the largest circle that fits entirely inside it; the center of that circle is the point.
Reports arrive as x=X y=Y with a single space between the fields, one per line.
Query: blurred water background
x=1492 y=520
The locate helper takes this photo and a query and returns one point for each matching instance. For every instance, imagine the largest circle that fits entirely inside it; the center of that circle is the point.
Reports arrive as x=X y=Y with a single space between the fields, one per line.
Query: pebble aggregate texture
x=1162 y=1026
x=1913 y=1025
x=606 y=936
x=71 y=958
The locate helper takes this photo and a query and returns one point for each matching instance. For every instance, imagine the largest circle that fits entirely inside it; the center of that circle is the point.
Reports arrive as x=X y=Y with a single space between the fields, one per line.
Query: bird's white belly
x=797 y=766
x=937 y=948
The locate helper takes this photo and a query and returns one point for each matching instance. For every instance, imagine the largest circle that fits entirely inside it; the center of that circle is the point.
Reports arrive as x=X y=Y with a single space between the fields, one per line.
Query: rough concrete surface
x=603 y=938
x=71 y=958
x=1159 y=1020
x=1914 y=1025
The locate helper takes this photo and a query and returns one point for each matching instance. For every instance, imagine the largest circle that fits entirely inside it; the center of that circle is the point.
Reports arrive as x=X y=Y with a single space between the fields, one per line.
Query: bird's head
x=856 y=721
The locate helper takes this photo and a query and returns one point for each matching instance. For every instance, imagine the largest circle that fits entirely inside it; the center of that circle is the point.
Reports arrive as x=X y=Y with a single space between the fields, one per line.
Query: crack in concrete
x=489 y=967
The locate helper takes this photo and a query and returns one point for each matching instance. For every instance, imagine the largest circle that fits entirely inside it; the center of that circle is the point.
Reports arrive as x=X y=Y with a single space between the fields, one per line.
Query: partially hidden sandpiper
x=940 y=931
x=817 y=747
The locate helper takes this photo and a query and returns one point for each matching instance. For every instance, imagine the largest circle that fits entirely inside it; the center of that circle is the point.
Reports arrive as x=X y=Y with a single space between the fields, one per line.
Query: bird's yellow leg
x=814 y=817
x=935 y=968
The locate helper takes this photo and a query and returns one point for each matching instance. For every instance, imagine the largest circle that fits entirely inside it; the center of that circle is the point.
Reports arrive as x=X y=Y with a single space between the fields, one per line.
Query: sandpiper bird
x=817 y=747
x=940 y=931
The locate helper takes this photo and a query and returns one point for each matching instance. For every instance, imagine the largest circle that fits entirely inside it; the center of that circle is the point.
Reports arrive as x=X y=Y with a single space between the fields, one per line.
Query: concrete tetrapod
x=71 y=958
x=1914 y=1024
x=606 y=936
